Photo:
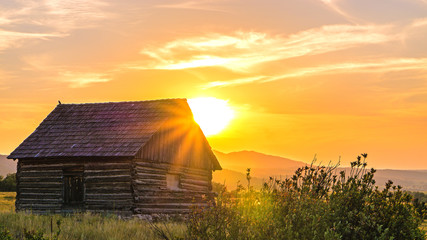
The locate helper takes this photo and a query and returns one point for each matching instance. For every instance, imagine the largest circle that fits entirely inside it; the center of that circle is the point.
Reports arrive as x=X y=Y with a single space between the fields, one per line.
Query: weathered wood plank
x=150 y=182
x=23 y=201
x=170 y=199
x=161 y=211
x=108 y=196
x=106 y=179
x=169 y=205
x=195 y=182
x=109 y=172
x=37 y=173
x=109 y=190
x=40 y=206
x=41 y=179
x=40 y=185
x=140 y=175
x=194 y=187
x=106 y=185
x=41 y=190
x=39 y=195
x=153 y=166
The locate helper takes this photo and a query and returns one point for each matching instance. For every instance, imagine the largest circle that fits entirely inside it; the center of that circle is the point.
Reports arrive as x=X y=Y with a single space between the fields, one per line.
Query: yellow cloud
x=78 y=80
x=384 y=65
x=242 y=50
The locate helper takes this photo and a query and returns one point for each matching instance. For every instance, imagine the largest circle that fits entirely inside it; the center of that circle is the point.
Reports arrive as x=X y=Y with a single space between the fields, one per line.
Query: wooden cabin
x=129 y=158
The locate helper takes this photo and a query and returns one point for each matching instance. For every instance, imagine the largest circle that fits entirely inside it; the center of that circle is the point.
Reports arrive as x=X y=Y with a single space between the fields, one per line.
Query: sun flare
x=212 y=114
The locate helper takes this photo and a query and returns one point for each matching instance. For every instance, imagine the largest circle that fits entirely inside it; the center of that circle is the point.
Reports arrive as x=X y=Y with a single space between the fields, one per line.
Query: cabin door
x=73 y=187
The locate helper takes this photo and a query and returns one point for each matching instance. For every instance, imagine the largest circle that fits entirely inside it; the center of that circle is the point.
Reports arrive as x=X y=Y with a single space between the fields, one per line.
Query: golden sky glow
x=304 y=77
x=212 y=114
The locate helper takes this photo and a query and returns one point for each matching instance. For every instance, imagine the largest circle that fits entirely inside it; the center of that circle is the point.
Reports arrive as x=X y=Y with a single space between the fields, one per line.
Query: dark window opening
x=73 y=187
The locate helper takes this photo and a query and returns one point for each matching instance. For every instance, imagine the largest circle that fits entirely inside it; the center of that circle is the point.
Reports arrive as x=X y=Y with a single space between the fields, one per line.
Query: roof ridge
x=142 y=101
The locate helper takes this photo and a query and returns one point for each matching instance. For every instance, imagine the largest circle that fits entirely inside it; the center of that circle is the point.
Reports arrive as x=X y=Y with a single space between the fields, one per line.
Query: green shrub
x=315 y=203
x=34 y=235
x=5 y=234
x=420 y=202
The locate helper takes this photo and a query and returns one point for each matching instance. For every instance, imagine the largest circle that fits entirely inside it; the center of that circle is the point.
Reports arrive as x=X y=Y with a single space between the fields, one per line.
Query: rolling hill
x=6 y=166
x=263 y=166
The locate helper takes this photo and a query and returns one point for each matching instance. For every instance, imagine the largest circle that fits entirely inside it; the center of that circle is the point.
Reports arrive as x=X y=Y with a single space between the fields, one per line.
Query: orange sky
x=326 y=77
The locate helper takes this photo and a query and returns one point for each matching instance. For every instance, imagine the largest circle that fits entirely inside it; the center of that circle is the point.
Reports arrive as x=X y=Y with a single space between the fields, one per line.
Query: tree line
x=8 y=183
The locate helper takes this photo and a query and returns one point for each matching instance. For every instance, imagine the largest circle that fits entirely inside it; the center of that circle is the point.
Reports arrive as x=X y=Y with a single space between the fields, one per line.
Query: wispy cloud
x=332 y=4
x=79 y=80
x=242 y=50
x=419 y=22
x=26 y=20
x=379 y=66
x=204 y=5
x=14 y=39
x=67 y=15
x=75 y=77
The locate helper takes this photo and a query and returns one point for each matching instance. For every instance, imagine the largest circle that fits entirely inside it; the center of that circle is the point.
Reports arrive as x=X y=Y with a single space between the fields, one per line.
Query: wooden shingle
x=114 y=129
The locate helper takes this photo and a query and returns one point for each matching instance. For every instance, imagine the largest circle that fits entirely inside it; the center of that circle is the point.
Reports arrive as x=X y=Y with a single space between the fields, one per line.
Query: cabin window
x=73 y=186
x=172 y=181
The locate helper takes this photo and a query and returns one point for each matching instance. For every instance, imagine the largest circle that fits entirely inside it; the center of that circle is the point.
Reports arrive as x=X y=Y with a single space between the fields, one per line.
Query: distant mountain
x=263 y=166
x=231 y=178
x=411 y=180
x=6 y=166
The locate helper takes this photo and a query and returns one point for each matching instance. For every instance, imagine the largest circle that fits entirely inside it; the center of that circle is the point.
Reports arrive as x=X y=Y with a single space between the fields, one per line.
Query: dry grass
x=81 y=226
x=88 y=226
x=7 y=201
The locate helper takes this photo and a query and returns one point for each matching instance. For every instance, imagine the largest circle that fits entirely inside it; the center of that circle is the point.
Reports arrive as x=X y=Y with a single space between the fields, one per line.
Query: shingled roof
x=114 y=129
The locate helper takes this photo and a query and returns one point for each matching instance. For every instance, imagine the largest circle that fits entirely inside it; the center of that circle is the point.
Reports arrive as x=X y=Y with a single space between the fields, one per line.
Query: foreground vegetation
x=316 y=203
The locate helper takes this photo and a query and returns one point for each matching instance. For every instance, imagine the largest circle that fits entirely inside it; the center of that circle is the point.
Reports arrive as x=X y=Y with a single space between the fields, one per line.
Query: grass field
x=81 y=226
x=85 y=226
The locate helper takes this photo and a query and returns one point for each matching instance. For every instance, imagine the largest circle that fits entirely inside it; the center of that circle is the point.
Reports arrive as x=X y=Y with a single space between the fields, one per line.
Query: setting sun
x=212 y=114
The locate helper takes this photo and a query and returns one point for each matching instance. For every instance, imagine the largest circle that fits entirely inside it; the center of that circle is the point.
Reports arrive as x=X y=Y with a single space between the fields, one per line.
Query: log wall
x=107 y=185
x=152 y=195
